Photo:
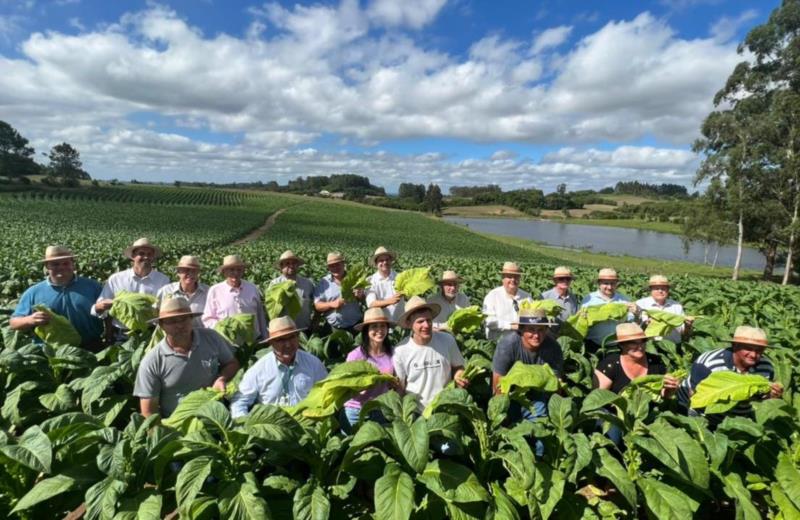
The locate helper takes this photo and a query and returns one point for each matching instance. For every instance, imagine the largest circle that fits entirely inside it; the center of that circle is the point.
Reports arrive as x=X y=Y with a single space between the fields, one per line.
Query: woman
x=377 y=350
x=616 y=371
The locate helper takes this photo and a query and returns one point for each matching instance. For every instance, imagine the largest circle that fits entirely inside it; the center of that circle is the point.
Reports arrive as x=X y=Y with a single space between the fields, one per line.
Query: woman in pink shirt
x=376 y=349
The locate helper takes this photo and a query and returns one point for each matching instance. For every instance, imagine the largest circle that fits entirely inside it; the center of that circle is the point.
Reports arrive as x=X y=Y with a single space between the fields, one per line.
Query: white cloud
x=726 y=27
x=551 y=38
x=411 y=13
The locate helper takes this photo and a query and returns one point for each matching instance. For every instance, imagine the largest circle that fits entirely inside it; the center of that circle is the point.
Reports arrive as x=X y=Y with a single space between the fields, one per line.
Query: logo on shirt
x=425 y=365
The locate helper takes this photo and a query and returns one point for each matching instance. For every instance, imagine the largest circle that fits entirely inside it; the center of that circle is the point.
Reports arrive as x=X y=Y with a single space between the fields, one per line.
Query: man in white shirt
x=188 y=286
x=659 y=300
x=501 y=304
x=449 y=299
x=381 y=292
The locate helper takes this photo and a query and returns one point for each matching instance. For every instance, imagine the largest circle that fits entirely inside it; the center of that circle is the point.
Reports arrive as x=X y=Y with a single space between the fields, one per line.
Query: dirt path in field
x=261 y=230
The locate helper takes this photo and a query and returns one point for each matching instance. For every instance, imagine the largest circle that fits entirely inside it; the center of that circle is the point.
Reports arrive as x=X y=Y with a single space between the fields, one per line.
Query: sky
x=518 y=93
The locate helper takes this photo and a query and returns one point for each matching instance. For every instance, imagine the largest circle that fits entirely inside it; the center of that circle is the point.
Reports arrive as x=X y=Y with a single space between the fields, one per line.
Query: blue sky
x=521 y=93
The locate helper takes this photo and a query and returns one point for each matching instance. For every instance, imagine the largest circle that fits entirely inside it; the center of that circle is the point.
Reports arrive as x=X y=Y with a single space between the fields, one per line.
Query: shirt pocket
x=210 y=366
x=302 y=384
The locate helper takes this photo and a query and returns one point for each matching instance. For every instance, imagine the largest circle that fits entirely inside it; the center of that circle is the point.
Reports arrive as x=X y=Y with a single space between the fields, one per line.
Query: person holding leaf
x=659 y=300
x=501 y=304
x=449 y=299
x=234 y=296
x=607 y=281
x=289 y=264
x=562 y=294
x=340 y=311
x=382 y=291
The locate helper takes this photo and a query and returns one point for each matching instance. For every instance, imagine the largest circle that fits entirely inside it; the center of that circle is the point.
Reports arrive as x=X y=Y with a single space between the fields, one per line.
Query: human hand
x=393 y=299
x=219 y=384
x=670 y=385
x=775 y=390
x=359 y=294
x=459 y=379
x=39 y=318
x=103 y=305
x=634 y=309
x=339 y=303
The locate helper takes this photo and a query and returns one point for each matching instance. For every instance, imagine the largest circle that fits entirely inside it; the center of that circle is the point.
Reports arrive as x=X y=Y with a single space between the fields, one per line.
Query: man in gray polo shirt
x=186 y=360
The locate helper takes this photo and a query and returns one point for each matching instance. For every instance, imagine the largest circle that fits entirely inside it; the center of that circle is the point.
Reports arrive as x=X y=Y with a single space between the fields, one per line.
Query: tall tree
x=433 y=199
x=65 y=163
x=16 y=156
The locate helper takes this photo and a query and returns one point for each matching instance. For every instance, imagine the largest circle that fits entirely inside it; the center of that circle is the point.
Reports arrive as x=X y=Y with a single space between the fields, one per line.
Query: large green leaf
x=613 y=470
x=188 y=406
x=239 y=329
x=45 y=490
x=102 y=498
x=190 y=480
x=550 y=307
x=578 y=324
x=722 y=390
x=241 y=501
x=680 y=453
x=133 y=310
x=355 y=278
x=502 y=507
x=529 y=377
x=453 y=482
x=282 y=300
x=33 y=450
x=58 y=330
x=394 y=494
x=414 y=282
x=735 y=488
x=465 y=321
x=662 y=322
x=311 y=502
x=788 y=477
x=412 y=441
x=666 y=502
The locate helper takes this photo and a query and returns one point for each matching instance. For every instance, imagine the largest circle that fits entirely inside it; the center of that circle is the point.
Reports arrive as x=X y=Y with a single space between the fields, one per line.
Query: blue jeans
x=517 y=413
x=350 y=418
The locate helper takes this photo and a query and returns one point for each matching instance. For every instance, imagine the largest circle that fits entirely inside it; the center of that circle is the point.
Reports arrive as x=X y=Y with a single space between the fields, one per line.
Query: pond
x=610 y=240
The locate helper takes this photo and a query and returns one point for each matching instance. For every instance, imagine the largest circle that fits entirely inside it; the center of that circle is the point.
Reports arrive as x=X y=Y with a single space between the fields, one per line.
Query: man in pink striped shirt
x=235 y=296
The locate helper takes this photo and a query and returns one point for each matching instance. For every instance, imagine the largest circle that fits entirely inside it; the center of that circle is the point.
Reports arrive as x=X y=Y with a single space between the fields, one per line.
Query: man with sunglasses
x=659 y=300
x=501 y=304
x=607 y=281
x=562 y=294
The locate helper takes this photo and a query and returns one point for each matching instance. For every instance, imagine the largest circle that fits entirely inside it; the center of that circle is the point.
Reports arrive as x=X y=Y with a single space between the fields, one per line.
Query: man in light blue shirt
x=607 y=280
x=328 y=300
x=284 y=376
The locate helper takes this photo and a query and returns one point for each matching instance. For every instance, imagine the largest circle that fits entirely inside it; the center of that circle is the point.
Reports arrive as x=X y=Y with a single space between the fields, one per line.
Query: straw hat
x=288 y=255
x=628 y=332
x=232 y=261
x=381 y=251
x=53 y=253
x=658 y=279
x=281 y=327
x=607 y=273
x=511 y=268
x=450 y=276
x=416 y=304
x=142 y=242
x=174 y=307
x=750 y=336
x=533 y=317
x=562 y=272
x=374 y=315
x=188 y=262
x=334 y=257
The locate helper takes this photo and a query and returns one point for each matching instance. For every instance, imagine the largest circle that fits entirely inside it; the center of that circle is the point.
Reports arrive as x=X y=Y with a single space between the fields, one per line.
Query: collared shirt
x=197 y=300
x=169 y=376
x=716 y=361
x=599 y=331
x=329 y=290
x=461 y=301
x=305 y=290
x=264 y=382
x=224 y=301
x=382 y=288
x=73 y=301
x=669 y=306
x=128 y=280
x=569 y=303
x=501 y=310
x=425 y=370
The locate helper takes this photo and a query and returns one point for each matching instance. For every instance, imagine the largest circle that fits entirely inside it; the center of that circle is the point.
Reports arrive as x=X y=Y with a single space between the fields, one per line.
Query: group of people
x=192 y=355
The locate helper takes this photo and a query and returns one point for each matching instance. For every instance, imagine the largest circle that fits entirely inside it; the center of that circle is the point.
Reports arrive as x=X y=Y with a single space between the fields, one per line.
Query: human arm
x=210 y=316
x=104 y=302
x=147 y=386
x=28 y=322
x=148 y=407
x=670 y=386
x=458 y=373
x=226 y=373
x=601 y=381
x=247 y=393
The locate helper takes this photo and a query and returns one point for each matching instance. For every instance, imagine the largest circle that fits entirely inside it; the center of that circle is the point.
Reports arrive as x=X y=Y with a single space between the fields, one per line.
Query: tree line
x=16 y=160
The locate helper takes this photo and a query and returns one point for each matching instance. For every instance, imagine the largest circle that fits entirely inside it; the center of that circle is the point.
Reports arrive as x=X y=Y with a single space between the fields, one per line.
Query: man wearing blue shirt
x=284 y=376
x=328 y=299
x=64 y=293
x=607 y=281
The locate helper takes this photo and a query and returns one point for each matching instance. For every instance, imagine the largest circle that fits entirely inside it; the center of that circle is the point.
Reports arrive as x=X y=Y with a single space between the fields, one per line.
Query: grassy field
x=487 y=211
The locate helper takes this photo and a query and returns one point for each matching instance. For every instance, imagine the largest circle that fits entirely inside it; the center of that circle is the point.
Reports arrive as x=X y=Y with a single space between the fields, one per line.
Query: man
x=64 y=293
x=659 y=300
x=427 y=360
x=187 y=359
x=561 y=294
x=744 y=356
x=234 y=296
x=381 y=292
x=188 y=286
x=328 y=296
x=607 y=281
x=501 y=304
x=288 y=264
x=449 y=299
x=284 y=376
x=140 y=278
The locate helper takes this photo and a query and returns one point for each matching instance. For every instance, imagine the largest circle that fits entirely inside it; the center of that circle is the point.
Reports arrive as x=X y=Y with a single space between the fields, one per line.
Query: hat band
x=534 y=321
x=750 y=341
x=623 y=339
x=175 y=314
x=282 y=332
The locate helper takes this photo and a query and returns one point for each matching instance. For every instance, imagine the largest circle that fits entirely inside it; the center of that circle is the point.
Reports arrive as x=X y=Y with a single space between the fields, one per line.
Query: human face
x=289 y=268
x=633 y=349
x=177 y=329
x=61 y=271
x=377 y=332
x=563 y=283
x=608 y=287
x=188 y=277
x=384 y=263
x=143 y=258
x=422 y=326
x=511 y=283
x=533 y=336
x=659 y=293
x=337 y=269
x=746 y=356
x=233 y=275
x=449 y=289
x=285 y=348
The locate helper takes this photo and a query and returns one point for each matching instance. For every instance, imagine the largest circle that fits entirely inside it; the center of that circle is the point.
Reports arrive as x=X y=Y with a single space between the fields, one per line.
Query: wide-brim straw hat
x=450 y=277
x=628 y=332
x=562 y=272
x=607 y=273
x=53 y=253
x=334 y=257
x=750 y=336
x=288 y=255
x=381 y=251
x=142 y=242
x=375 y=315
x=174 y=307
x=416 y=304
x=511 y=268
x=188 y=262
x=281 y=327
x=657 y=280
x=232 y=261
x=533 y=317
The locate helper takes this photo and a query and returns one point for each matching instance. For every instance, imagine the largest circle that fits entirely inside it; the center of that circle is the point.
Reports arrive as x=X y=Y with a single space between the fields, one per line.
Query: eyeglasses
x=563 y=279
x=608 y=282
x=659 y=288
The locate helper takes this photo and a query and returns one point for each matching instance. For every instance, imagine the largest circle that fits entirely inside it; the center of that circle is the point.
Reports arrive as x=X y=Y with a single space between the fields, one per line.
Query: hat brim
x=515 y=273
x=746 y=341
x=557 y=276
x=282 y=334
x=450 y=280
x=279 y=262
x=390 y=254
x=56 y=258
x=435 y=309
x=223 y=267
x=129 y=251
x=517 y=325
x=363 y=324
x=643 y=337
x=156 y=320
